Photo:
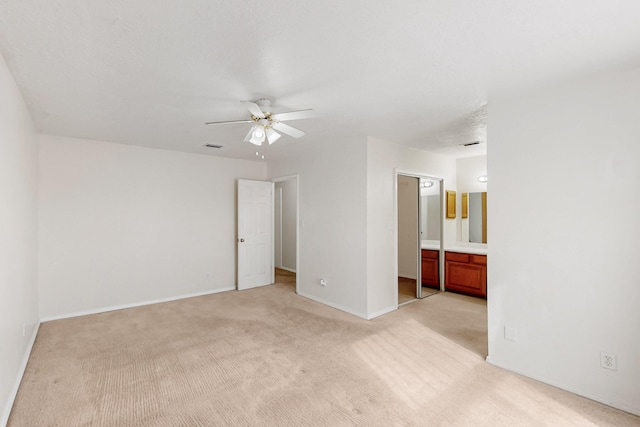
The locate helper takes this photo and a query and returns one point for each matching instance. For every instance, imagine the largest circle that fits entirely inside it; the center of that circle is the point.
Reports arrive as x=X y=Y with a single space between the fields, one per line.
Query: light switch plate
x=510 y=333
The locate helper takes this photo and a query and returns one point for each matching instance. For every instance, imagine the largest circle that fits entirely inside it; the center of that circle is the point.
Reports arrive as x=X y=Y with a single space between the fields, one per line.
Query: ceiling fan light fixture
x=272 y=135
x=257 y=136
x=250 y=134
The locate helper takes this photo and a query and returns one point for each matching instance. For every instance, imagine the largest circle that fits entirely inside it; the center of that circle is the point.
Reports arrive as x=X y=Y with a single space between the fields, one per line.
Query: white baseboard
x=622 y=407
x=381 y=312
x=132 y=305
x=16 y=386
x=290 y=270
x=330 y=304
x=348 y=310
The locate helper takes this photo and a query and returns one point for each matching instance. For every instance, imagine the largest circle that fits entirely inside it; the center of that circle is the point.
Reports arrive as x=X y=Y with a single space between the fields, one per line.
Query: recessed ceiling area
x=417 y=73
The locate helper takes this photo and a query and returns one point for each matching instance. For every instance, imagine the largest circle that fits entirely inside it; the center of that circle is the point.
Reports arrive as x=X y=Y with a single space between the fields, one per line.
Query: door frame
x=418 y=175
x=289 y=178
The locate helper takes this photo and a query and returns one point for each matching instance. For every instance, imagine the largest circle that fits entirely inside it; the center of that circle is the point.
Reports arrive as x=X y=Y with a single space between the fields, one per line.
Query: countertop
x=467 y=250
x=470 y=248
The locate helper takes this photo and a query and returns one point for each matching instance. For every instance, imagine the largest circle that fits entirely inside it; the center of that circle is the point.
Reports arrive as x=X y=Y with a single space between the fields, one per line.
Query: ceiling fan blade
x=250 y=134
x=295 y=115
x=291 y=131
x=228 y=122
x=272 y=136
x=254 y=109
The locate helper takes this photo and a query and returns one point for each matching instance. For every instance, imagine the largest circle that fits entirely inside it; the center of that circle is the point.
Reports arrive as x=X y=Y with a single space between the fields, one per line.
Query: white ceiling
x=419 y=73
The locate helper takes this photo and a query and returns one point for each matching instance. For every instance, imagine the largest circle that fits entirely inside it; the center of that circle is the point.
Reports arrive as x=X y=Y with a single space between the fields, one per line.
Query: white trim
x=280 y=218
x=381 y=312
x=622 y=407
x=23 y=366
x=417 y=174
x=297 y=231
x=333 y=305
x=135 y=304
x=272 y=276
x=443 y=214
x=290 y=270
x=284 y=178
x=402 y=304
x=395 y=234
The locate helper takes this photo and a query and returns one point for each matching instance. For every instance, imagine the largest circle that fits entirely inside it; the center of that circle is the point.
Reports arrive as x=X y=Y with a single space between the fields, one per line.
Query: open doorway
x=408 y=238
x=286 y=231
x=419 y=222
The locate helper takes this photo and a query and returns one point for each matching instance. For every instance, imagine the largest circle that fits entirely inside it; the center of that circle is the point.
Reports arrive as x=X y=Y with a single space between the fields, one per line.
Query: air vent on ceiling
x=212 y=146
x=469 y=144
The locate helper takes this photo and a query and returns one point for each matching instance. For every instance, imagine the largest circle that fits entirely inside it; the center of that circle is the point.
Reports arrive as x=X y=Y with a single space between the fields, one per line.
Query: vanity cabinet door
x=430 y=268
x=466 y=273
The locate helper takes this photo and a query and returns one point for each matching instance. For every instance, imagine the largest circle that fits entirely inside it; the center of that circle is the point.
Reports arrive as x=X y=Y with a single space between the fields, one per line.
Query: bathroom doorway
x=420 y=226
x=408 y=238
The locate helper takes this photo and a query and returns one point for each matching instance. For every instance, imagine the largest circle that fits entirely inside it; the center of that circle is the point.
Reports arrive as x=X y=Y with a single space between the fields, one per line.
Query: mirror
x=471 y=184
x=474 y=224
x=430 y=234
x=430 y=210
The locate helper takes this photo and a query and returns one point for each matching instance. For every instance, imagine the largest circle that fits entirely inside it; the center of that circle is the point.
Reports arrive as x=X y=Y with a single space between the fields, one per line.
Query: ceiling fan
x=265 y=124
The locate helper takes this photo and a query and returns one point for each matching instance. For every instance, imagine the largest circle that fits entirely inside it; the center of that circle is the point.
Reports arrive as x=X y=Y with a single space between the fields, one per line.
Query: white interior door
x=255 y=234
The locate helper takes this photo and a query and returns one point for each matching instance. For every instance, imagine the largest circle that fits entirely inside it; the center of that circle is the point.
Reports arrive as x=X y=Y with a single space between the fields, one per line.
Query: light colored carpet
x=459 y=318
x=269 y=357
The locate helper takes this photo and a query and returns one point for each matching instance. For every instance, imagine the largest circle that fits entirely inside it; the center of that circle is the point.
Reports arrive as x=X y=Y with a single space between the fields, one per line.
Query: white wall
x=468 y=169
x=18 y=240
x=564 y=165
x=122 y=225
x=286 y=219
x=333 y=218
x=383 y=158
x=407 y=226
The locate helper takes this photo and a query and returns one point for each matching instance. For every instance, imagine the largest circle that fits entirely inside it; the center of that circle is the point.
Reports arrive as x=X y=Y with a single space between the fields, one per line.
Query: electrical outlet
x=323 y=282
x=608 y=361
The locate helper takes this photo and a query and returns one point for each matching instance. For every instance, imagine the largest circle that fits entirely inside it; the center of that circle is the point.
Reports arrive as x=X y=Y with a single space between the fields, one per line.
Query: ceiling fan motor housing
x=264 y=104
